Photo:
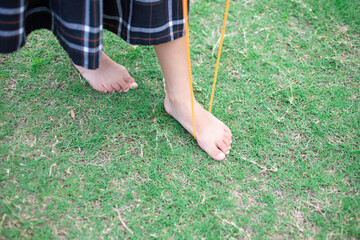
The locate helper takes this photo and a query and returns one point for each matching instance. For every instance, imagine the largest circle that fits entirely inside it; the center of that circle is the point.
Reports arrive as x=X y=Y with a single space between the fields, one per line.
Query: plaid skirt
x=78 y=24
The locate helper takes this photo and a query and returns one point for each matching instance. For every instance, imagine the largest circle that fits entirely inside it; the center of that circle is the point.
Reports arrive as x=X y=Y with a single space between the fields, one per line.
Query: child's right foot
x=109 y=77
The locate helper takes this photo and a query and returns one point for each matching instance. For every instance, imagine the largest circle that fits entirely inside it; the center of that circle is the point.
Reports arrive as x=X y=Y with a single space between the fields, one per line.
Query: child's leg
x=213 y=136
x=109 y=77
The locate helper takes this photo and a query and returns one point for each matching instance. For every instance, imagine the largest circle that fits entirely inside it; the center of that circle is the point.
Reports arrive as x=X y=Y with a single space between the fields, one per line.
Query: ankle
x=178 y=96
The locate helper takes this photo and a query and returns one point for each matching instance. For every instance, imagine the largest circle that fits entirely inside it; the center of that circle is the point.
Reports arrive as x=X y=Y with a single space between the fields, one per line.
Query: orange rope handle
x=186 y=23
x=219 y=52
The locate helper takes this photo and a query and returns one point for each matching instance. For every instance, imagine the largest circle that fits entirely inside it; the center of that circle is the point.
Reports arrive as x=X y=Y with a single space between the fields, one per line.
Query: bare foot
x=213 y=136
x=109 y=77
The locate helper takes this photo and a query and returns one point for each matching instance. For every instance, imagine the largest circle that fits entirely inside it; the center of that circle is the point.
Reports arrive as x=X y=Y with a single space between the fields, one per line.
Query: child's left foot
x=109 y=77
x=213 y=136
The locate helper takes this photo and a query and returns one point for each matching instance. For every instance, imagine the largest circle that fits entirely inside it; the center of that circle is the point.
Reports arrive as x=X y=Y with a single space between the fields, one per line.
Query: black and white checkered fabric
x=78 y=24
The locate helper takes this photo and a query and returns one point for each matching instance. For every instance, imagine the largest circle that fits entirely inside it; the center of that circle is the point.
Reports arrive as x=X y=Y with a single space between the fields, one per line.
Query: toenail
x=228 y=152
x=134 y=85
x=126 y=90
x=229 y=147
x=105 y=91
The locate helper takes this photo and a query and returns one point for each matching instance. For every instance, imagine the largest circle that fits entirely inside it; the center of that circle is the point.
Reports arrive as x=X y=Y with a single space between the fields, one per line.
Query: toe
x=211 y=149
x=116 y=86
x=223 y=147
x=128 y=79
x=227 y=135
x=123 y=85
x=217 y=155
x=108 y=88
x=134 y=85
x=227 y=130
x=130 y=83
x=227 y=142
x=98 y=87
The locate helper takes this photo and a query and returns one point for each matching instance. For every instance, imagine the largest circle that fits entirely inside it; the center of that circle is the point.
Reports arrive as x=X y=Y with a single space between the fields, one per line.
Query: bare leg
x=213 y=136
x=109 y=77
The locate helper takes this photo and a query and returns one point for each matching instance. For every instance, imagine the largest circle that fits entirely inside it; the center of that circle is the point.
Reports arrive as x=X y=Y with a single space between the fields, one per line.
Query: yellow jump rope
x=186 y=19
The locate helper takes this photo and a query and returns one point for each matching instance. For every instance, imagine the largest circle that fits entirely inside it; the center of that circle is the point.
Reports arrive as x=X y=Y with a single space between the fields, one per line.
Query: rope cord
x=186 y=23
x=219 y=52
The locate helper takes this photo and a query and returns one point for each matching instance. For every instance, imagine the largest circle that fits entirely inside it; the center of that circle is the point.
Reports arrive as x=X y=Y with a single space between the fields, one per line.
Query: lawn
x=288 y=87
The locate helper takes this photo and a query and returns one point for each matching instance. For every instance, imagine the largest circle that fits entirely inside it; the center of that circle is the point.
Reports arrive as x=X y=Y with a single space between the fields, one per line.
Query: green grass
x=288 y=87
